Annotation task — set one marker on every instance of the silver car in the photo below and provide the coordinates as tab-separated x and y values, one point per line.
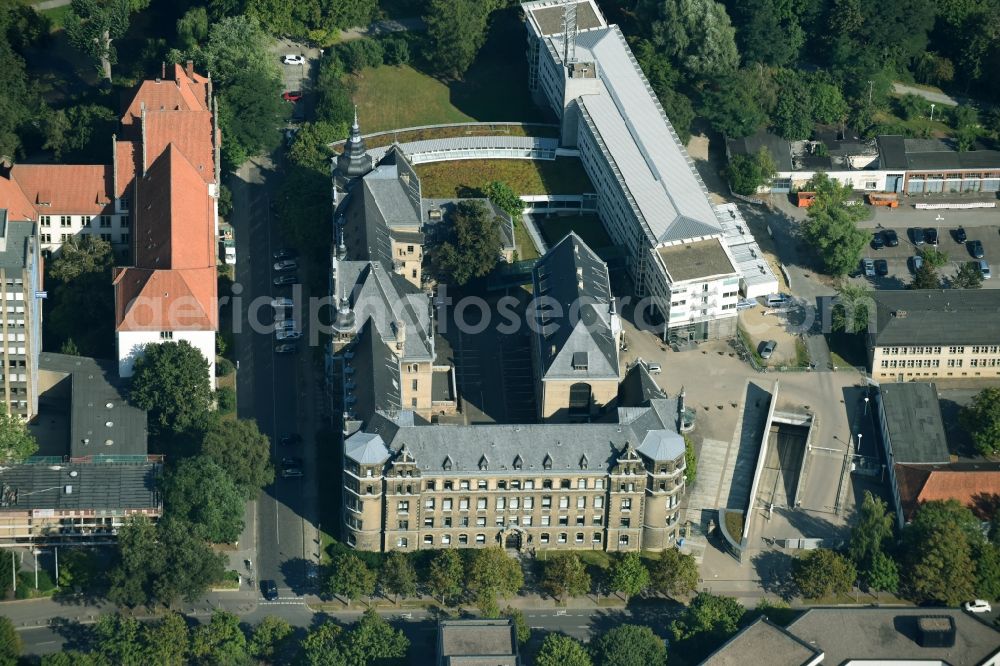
869	267
984	268
917	262
767	348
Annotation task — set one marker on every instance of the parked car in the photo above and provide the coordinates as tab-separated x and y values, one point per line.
284	280
960	235
281	302
294	59
984	268
917	235
269	589
931	236
288	335
916	261
877	241
868	266
654	368
978	606
891	237
286	265
284	253
284	325
746	303
777	300
291	95
881	267
767	348
976	249
291	461
291	473
286	348
290	438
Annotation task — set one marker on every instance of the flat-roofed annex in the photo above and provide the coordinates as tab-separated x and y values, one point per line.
550	18
695	260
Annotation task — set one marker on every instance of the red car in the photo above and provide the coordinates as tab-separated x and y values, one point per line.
292	96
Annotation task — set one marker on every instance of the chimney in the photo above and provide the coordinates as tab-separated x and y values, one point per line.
143	125
114	168
400	328
189	68
163	69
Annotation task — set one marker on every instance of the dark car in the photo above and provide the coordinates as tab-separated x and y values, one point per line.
284	280
931	236
877	242
284	253
976	249
269	589
881	267
286	348
917	235
960	236
290	462
891	237
292	95
290	438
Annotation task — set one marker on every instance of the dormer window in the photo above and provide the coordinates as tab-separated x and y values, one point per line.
518	462
448	463
580	360
547	462
484	464
584	462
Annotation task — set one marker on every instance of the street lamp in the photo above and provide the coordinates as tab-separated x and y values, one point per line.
866	405
859	443
932	111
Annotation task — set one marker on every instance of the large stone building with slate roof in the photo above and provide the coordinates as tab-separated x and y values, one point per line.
925	334
651	199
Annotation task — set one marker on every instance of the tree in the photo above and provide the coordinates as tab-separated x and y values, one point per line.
731	105
674	574
192	28
868	537
828	103
16	443
982	420
472	246
170	381
268	637
321	646
456	30
80	132
566	575
882	574
117	639
562	650
831	226
399	575
200	492
237	45
350	578
690	461
372	640
82	255
491	573
629	645
94	25
663	79
941	567
188	565
792	116
310	148
698	36
167	641
138	559
823	572
504	198
628	575
81	306
521	628
445	576
10	643
933	256
709	618
746	173
237	446
221	641
768	31
926	277
968	276
987	558
250	109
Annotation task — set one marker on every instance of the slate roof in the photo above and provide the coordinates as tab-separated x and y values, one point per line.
764	642
477	643
892	151
16	239
976	485
590	447
653	167
937	317
779	149
375	377
638	387
96	485
366	449
662	445
897	152
913	416
573	315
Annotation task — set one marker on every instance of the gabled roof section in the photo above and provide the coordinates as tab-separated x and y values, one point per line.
975	485
54	189
186	92
174	227
188	131
13	200
165	300
366	449
578	330
660	445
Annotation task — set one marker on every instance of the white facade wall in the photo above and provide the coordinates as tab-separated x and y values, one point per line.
54	230
861	181
131	344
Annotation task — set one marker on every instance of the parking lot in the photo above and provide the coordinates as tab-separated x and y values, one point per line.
297	77
900	262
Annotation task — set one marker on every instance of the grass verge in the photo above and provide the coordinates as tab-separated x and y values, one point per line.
525	246
468	178
802	359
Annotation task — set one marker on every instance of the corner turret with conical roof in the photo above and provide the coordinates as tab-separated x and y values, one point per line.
354	161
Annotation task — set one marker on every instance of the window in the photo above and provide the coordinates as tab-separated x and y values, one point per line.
401	542
546	521
403	524
547	484
463	521
65	220
499	520
562	537
581	502
45	220
106	237
581	483
63	237
105	221
481	484
514	503
166	335
463	539
515	485
428	522
529	484
626	522
481	504
429	504
526	521
445	539
580	521
449	485
124	223
546	501
480	539
623	540
564	502
403	507
564	520
544	537
46	238
599	483
627	504
414	384
463	504
446	504
529	503
501	503
599	502
428	539
463	485
86	221
596	538
598	520
579	537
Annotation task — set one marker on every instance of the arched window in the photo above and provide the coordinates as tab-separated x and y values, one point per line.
579	397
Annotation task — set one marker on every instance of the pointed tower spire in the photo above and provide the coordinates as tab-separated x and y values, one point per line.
354	161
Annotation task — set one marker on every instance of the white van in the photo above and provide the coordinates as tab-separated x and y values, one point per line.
654	368
776	300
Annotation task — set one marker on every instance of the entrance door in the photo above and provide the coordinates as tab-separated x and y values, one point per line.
513	540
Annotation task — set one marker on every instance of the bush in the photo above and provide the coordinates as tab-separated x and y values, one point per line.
224	367
396	51
226	399
360	53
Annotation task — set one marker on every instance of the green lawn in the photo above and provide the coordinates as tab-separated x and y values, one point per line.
525	248
467	178
58	16
587	227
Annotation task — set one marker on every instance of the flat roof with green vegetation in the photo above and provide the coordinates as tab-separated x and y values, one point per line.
468	178
587	227
381	106
700	259
453	131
